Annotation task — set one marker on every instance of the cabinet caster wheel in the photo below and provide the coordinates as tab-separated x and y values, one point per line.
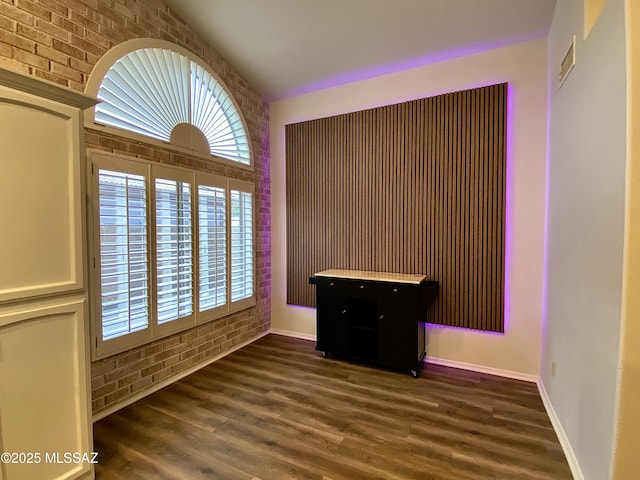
324	354
414	373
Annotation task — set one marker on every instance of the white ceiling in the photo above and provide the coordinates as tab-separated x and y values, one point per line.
287	47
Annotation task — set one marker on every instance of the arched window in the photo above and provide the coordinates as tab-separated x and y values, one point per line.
166	93
174	247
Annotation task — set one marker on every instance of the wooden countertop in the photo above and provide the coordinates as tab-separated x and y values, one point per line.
375	276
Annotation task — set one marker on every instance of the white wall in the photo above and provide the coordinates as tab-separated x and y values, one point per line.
586	230
524	67
626	458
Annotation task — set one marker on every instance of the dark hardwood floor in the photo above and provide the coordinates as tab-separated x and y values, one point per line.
277	410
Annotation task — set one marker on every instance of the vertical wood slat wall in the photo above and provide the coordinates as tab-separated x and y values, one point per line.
416	187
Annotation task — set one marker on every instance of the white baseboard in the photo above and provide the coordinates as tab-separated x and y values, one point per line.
576	471
287	333
157	386
482	369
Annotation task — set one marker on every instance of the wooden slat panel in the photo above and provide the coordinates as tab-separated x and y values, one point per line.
417	187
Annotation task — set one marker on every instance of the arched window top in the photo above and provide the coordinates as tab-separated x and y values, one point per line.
162	91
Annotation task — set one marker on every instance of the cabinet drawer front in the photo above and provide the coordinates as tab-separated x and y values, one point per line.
399	292
332	283
363	289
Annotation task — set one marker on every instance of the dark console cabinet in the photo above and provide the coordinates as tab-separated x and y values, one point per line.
373	317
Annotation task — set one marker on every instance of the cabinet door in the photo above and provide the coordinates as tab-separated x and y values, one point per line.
44	399
398	320
331	294
40	197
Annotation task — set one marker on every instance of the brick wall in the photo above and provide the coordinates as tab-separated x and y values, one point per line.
61	40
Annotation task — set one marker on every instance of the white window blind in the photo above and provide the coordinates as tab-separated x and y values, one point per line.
124	266
174	250
241	245
144	92
149	91
213	247
214	113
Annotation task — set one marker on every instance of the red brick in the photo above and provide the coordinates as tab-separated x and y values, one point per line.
52	54
30	59
140	364
140	150
129	379
142	383
126	358
116	374
84	21
67	25
76	5
151	369
80	65
50	77
112	143
97	382
14	12
188	354
171	342
149	27
166	353
91	58
98	39
104	390
205	346
34	34
91	4
7	23
180	367
66	72
118	395
53	30
114	17
161	375
197	359
54	7
135	28
17	41
102	366
135	6
34	8
124	11
171	361
97	405
86	45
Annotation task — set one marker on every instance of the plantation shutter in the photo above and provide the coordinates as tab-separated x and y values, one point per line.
241	243
124	265
174	250
212	246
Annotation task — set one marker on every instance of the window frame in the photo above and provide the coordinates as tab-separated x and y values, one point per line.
150	171
122	342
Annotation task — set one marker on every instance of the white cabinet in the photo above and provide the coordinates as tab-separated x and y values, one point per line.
44	360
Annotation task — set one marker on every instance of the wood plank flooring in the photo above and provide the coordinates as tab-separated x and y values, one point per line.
277	410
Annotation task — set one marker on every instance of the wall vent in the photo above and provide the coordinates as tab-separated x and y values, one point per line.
568	62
